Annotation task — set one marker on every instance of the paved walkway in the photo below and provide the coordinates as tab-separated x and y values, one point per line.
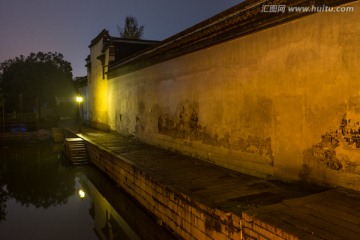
295	210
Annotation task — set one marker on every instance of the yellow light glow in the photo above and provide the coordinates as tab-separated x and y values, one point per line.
79	99
101	105
81	194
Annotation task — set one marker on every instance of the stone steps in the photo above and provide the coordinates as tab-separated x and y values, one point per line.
75	151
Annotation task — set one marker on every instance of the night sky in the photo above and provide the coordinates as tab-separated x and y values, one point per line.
68	26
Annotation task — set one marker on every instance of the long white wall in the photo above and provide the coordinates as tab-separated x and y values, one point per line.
283	102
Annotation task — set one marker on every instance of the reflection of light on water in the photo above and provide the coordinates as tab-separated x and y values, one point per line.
81	193
79	184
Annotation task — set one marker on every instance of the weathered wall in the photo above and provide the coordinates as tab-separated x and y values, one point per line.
283	102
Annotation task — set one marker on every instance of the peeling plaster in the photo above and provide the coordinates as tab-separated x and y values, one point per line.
338	150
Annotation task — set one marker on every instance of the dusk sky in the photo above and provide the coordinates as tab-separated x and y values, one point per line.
68	26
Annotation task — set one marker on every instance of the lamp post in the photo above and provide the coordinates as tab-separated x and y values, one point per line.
79	100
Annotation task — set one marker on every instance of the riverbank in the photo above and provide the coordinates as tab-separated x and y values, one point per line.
199	200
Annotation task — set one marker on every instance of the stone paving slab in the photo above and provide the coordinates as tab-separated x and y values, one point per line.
270	205
332	214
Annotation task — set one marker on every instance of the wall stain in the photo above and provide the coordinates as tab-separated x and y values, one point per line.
139	125
212	224
324	154
184	124
122	122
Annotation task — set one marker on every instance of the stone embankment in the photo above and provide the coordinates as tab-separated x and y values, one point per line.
199	200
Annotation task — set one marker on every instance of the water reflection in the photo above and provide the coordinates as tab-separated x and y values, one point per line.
109	224
42	196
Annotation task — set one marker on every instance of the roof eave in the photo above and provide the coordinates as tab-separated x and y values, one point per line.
240	20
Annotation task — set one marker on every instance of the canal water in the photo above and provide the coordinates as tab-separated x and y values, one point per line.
42	196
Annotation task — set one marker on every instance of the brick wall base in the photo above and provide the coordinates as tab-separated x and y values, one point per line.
187	218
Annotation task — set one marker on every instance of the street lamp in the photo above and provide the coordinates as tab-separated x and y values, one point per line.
82	194
79	100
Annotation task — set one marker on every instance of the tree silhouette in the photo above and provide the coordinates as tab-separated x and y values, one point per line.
35	177
39	75
131	29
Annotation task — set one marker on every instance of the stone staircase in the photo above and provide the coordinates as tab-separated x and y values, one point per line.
75	151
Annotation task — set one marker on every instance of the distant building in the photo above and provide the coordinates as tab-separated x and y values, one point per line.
104	51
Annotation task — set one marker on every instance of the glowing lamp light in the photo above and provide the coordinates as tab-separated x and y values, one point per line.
79	99
81	194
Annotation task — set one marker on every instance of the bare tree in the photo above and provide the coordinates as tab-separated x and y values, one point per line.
131	29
